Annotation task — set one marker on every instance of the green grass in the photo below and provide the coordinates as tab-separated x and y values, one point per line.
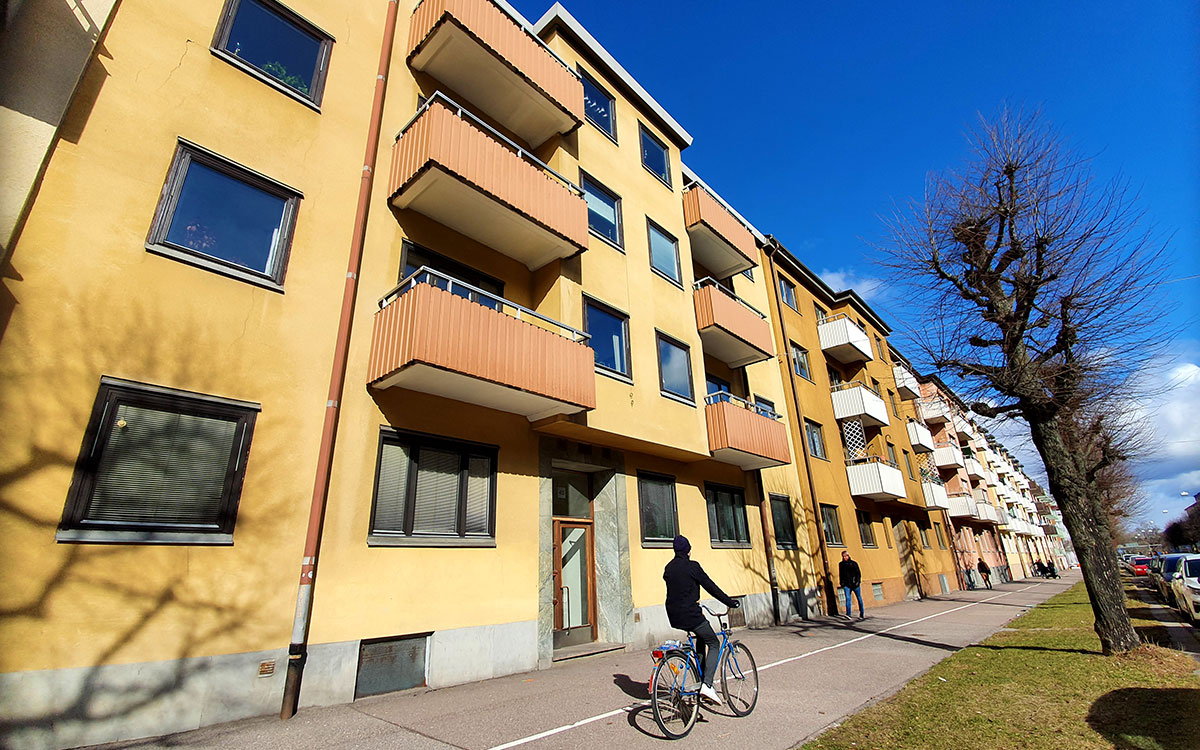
1043	684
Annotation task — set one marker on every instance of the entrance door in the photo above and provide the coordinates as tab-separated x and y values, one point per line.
904	548
574	559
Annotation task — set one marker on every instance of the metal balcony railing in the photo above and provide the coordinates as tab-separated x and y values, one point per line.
729	398
710	281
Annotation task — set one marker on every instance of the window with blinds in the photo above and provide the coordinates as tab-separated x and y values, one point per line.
726	515
433	487
656	501
158	459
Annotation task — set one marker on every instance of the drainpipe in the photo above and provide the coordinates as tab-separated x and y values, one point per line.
831	606
298	650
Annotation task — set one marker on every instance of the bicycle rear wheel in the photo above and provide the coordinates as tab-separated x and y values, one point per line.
739	679
674	695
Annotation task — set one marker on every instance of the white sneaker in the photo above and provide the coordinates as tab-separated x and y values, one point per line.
708	693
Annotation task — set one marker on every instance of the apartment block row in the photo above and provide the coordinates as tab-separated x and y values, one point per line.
389	344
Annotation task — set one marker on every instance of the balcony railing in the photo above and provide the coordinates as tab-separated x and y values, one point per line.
732	330
963	427
963	506
875	478
947	456
745	434
855	400
906	383
973	467
920	438
438	335
935	493
491	59
720	242
842	339
935	410
456	169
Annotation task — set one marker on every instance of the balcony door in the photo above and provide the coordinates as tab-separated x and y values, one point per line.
574	559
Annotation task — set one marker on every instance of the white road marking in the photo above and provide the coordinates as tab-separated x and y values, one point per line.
635	706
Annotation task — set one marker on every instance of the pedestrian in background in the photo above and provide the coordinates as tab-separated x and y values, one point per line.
850	578
985	571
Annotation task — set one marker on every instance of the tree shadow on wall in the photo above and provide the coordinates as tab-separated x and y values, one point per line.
1139	718
83	607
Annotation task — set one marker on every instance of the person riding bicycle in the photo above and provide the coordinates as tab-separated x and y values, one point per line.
684	577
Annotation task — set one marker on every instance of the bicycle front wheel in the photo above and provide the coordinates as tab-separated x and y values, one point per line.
674	695
739	679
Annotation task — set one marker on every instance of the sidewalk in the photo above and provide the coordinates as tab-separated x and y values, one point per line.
812	674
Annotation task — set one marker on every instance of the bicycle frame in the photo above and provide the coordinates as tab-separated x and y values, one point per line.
693	658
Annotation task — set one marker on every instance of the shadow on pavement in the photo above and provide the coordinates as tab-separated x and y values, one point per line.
1088	651
639	689
904	638
1133	717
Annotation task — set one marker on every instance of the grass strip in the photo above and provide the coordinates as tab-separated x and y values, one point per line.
1042	683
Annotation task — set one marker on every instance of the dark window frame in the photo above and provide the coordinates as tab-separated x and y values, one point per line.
820	433
787	291
644	132
667	479
320	74
868	539
941	538
793	543
762	405
659	336
612	104
406	536
837	539
610	310
585	180
797	349
908	465
187	152
715	538
924	533
651	227
75	527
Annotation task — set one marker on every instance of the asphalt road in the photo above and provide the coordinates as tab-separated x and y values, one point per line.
812	674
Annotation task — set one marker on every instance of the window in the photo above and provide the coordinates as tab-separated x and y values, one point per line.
224	217
908	464
816	440
879	348
159	465
800	361
887	532
895	409
765	407
749	273
835	377
924	529
866	532
273	43
820	312
833	529
656	499
604	211
714	385
726	515
787	290
674	368
664	252
875	386
429	489
785	525
598	106
609	336
655	156
937	528
416	257
891	451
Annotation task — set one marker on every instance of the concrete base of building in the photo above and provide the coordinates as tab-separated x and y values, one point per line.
64	708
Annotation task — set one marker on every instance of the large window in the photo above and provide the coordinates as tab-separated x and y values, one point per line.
831	526
785	525
159	465
598	106
800	361
432	490
609	331
924	529
267	40
224	217
656	498
674	368
664	252
941	538
866	532
908	464
815	438
604	211
726	515
787	291
655	156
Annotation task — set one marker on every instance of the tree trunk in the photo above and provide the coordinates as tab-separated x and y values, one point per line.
1088	524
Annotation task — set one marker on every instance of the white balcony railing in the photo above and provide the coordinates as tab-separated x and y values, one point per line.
948	456
963	506
875	478
856	401
906	383
935	494
920	437
842	339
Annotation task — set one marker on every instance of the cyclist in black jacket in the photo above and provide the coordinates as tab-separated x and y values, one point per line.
684	578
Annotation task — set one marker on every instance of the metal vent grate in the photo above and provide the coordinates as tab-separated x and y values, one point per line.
877	590
945	585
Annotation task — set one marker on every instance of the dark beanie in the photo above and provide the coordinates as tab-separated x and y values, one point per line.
681	544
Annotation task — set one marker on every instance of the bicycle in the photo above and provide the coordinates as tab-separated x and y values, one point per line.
675	698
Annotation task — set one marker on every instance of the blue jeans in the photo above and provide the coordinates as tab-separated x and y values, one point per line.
858	593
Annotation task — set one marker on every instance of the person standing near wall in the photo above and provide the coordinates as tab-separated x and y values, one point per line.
986	572
850	578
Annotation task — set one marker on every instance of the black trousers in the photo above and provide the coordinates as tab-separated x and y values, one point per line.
708	648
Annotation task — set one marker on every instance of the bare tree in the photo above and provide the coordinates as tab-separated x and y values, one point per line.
1039	296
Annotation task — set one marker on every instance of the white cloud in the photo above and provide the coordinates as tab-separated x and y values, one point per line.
1172	466
868	287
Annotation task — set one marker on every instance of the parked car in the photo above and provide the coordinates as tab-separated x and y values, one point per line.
1140	566
1162	573
1186	586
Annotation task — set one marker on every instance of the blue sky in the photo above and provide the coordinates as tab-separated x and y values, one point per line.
811	119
